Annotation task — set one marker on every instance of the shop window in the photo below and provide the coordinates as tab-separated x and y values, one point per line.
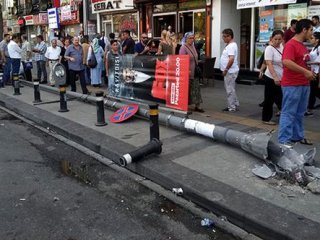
162	22
128	21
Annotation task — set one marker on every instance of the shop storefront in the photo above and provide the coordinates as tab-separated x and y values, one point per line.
116	16
176	16
70	20
264	18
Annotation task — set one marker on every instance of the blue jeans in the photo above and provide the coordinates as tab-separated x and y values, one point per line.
294	105
7	70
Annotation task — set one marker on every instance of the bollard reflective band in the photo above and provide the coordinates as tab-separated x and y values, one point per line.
62	89
128	158
36	83
153	112
99	99
15	78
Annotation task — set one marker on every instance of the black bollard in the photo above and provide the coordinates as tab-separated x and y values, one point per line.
154	146
1	79
63	99
154	121
16	84
36	91
101	121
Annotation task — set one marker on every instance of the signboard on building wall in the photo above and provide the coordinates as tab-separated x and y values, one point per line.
297	11
111	5
266	24
29	20
261	3
313	11
53	18
43	18
66	13
75	19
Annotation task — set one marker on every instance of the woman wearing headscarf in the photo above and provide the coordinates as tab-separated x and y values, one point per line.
96	72
194	86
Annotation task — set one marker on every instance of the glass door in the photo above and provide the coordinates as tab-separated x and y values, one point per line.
162	21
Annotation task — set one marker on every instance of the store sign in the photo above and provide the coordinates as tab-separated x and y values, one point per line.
313	11
261	3
43	18
74	18
66	13
266	25
111	5
29	20
53	18
297	11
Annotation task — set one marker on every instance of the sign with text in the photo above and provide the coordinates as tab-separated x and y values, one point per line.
29	20
111	5
313	11
162	79
266	24
53	18
66	13
261	3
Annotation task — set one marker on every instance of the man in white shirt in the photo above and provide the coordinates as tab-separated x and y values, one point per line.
26	57
230	69
52	54
104	38
15	53
316	23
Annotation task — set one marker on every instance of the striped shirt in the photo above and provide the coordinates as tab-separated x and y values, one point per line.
39	56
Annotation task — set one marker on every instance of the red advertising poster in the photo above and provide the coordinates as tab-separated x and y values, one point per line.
162	79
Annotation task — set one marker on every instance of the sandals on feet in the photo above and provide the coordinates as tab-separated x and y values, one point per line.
303	141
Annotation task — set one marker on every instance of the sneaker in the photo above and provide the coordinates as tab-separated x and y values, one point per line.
287	145
308	113
269	123
229	110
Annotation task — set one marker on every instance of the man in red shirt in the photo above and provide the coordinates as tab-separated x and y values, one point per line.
295	85
289	33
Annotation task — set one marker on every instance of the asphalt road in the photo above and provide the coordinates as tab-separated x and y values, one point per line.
49	190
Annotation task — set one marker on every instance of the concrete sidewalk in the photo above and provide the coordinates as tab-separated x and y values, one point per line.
213	175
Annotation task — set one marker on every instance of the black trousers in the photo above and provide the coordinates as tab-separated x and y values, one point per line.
27	72
314	93
273	94
83	84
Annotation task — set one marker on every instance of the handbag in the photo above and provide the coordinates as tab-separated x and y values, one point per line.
28	65
92	62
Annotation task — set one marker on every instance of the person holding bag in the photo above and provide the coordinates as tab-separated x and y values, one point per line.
272	77
95	52
194	86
